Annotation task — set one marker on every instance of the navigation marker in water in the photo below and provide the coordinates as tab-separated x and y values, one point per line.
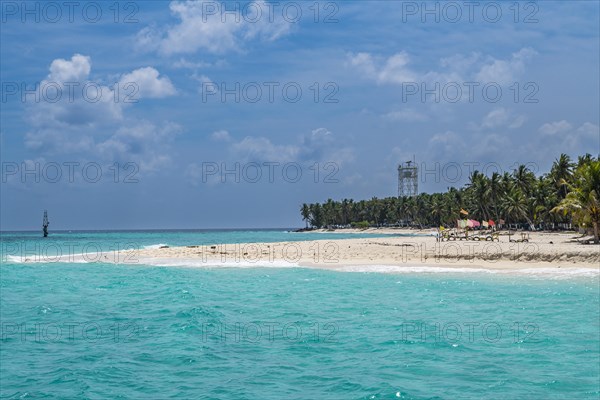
45	224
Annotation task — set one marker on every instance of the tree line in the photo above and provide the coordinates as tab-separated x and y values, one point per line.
568	194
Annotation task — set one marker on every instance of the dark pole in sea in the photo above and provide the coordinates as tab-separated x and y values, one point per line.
45	224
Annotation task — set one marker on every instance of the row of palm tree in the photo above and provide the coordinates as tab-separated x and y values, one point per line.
569	193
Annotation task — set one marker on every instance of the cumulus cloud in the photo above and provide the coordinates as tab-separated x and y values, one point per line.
405	115
500	118
221	136
589	130
67	97
444	147
495	118
396	69
148	83
563	137
92	117
554	138
392	70
204	25
441	145
505	72
555	128
143	142
205	83
76	69
459	63
260	25
195	65
261	148
319	145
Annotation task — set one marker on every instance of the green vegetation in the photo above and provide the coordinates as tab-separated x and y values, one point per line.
569	193
360	225
582	198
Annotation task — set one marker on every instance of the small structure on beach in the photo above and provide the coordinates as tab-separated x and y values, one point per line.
45	224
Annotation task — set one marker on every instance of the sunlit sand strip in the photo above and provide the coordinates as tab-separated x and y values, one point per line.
545	254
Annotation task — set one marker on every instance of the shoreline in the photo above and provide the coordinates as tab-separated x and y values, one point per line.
545	253
397	251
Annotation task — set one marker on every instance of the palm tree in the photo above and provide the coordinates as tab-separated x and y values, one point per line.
329	212
515	205
437	208
494	192
524	179
345	210
453	202
561	173
316	212
583	200
422	208
305	211
544	199
585	159
411	209
479	190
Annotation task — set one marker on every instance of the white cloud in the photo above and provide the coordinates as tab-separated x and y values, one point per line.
563	137
555	128
68	97
450	147
505	72
495	118
261	148
204	83
75	70
205	25
589	130
457	68
221	136
518	122
54	140
320	145
460	63
183	63
148	83
501	117
84	102
264	27
442	145
407	115
585	139
363	61
94	122
393	70
143	142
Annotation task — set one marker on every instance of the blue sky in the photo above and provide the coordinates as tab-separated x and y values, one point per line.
162	80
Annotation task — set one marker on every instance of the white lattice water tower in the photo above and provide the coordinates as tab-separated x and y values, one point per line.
408	179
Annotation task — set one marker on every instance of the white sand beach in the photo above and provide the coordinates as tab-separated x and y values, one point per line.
545	252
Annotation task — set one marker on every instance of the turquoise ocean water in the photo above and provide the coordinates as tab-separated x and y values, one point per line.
95	330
